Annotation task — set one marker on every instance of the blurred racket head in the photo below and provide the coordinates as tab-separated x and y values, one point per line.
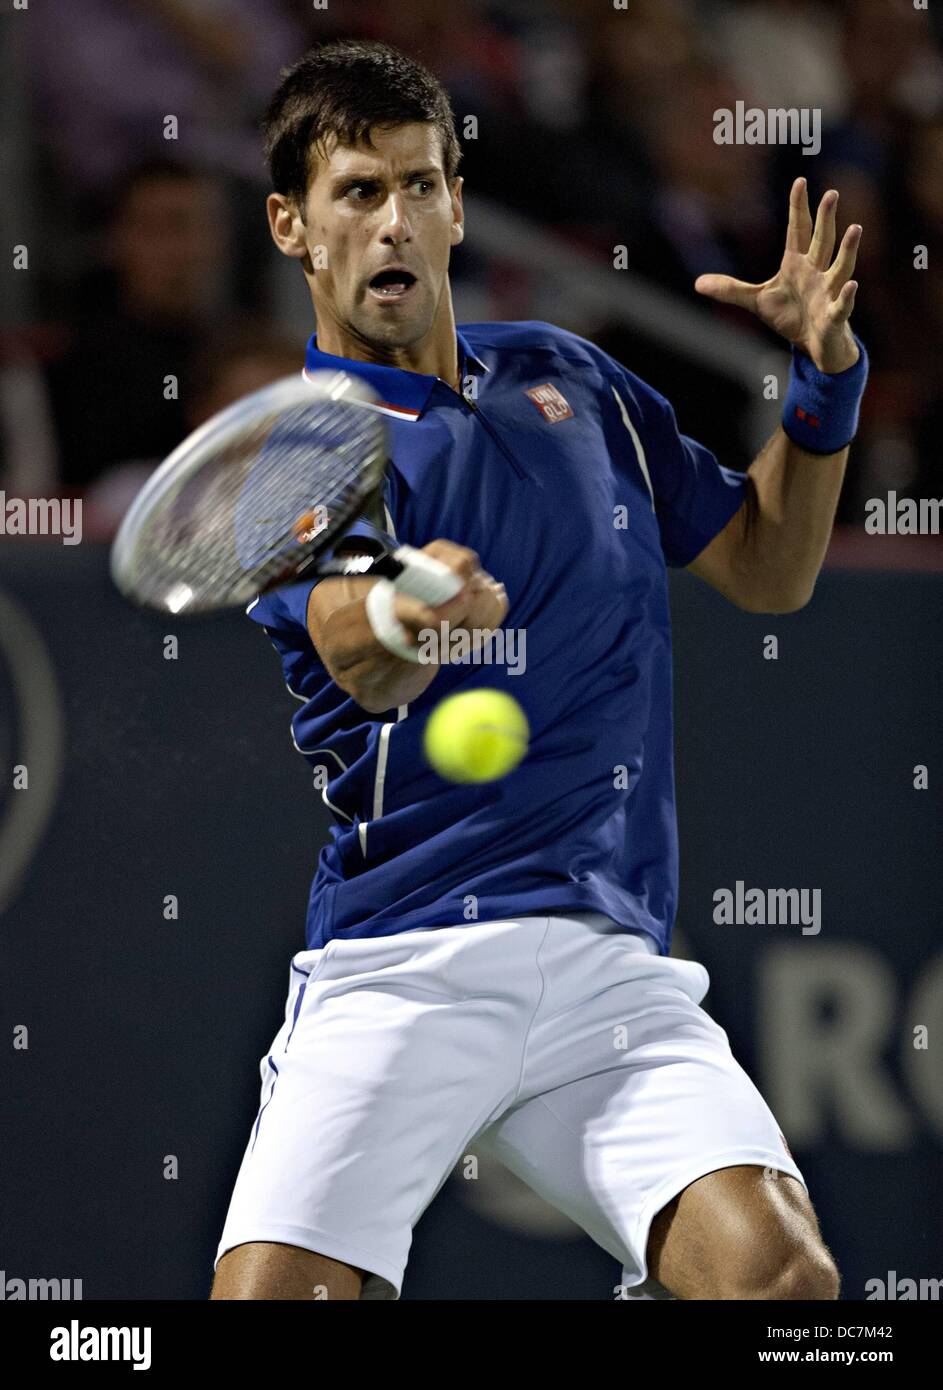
254	496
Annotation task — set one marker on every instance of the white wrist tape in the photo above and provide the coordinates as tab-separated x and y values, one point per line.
387	628
425	577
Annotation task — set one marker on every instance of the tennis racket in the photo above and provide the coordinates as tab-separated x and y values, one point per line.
255	497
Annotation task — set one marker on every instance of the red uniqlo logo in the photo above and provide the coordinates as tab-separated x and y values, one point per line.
786	1146
552	405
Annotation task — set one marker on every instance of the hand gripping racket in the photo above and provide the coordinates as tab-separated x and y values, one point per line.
255	497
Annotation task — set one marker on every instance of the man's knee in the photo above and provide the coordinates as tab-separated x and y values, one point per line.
805	1274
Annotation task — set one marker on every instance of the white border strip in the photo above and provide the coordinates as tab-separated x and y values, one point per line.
639	451
397	412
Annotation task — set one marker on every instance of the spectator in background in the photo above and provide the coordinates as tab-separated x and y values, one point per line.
783	53
237	358
118	385
924	176
702	207
892	64
880	156
457	40
873	70
107	74
240	357
906	418
709	209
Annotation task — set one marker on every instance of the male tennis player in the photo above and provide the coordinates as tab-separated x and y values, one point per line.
487	966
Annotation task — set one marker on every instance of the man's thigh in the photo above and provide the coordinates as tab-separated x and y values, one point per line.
614	1147
268	1270
744	1233
379	1076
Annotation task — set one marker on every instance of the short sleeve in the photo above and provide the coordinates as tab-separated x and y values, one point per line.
285	609
694	495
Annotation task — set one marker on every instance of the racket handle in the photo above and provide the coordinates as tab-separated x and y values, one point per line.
423	577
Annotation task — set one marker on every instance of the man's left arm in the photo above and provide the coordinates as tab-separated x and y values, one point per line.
768	556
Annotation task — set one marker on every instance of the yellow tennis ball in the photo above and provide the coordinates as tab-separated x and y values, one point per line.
476	736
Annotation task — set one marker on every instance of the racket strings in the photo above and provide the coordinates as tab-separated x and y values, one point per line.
286	485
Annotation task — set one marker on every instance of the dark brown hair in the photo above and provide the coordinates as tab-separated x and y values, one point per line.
344	89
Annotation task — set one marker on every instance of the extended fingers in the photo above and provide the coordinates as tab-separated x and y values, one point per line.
799	231
823	238
844	265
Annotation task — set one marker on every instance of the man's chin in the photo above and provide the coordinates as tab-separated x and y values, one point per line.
394	330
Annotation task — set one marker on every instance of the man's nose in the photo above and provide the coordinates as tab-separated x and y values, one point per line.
396	226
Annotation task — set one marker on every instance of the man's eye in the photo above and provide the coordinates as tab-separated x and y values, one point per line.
424	185
367	189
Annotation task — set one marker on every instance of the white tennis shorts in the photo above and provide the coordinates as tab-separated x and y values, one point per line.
563	1046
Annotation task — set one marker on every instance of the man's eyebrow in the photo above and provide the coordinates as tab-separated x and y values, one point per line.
352	176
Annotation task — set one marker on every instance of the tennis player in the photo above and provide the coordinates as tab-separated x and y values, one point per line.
486	967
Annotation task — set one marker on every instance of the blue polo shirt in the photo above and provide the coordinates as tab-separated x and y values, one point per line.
569	477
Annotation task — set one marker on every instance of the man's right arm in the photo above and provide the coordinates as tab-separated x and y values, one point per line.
356	661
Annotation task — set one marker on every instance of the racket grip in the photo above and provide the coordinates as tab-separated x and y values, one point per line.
424	577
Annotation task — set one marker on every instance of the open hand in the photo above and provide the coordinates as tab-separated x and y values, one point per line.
810	298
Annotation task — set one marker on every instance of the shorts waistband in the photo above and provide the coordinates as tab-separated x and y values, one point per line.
598	921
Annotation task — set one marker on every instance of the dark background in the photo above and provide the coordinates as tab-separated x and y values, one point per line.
145	1035
149	777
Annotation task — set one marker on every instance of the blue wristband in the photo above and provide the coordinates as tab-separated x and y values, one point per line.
820	412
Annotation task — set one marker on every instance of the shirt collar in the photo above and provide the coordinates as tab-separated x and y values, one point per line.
402	394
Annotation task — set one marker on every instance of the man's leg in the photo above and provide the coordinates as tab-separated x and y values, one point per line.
384	1068
738	1232
744	1233
264	1269
636	1121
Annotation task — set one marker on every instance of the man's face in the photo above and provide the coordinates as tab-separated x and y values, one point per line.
379	227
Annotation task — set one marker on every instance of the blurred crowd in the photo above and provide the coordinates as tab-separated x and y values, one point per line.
154	296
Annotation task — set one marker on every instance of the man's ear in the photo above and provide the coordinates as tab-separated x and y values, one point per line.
458	212
286	225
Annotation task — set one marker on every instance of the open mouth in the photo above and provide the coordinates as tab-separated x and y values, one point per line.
392	284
